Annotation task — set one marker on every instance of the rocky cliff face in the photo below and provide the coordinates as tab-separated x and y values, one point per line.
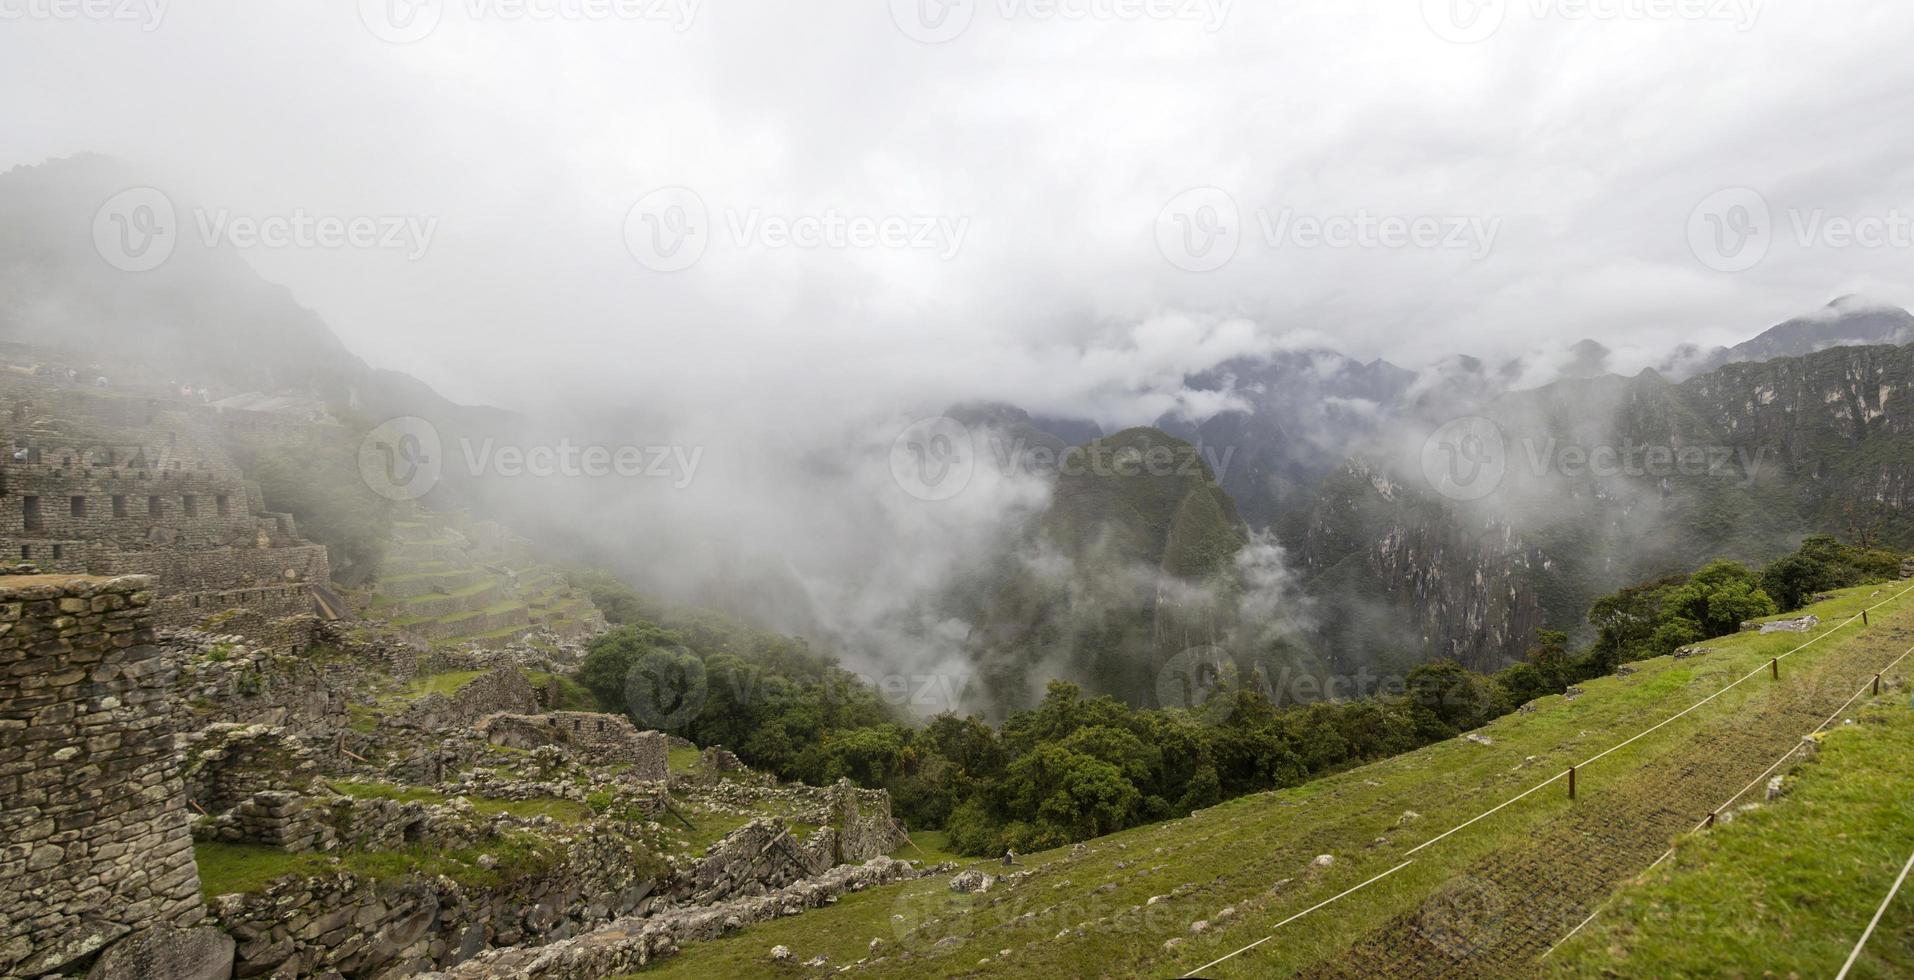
1603	482
1124	570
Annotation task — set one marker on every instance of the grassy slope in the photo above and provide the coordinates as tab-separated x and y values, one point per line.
1785	889
1089	915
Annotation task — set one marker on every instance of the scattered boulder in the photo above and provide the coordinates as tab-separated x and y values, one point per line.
1479	738
1801	625
780	954
972	882
1323	861
166	953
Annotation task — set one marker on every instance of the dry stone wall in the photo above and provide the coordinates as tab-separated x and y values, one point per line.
599	737
504	689
94	840
358	926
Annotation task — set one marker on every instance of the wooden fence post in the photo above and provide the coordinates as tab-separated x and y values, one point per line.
1774	667
1571	782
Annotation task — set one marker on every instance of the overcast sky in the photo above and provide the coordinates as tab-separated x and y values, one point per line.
1057	210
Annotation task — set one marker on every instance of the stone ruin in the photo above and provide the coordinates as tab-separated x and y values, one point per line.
603	738
503	689
92	484
92	816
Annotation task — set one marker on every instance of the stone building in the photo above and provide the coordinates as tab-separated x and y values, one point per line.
92	484
589	734
94	838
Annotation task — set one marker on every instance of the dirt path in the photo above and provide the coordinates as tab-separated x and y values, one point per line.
1502	913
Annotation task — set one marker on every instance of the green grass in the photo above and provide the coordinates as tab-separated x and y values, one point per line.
246	868
681	759
1253	854
1785	889
470	590
567	811
572	695
388	791
447	684
930	847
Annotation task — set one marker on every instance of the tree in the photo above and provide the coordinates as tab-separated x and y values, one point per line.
1719	598
1625	621
1455	697
867	756
1077	795
611	656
